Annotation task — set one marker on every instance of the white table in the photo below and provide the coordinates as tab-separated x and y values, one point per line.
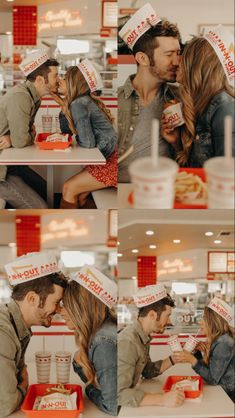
90	410
214	404
32	155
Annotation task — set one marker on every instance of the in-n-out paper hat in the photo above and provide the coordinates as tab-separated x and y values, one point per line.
98	284
222	309
222	41
33	61
92	77
149	294
138	24
31	267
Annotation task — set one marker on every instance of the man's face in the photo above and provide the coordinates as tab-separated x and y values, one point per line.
44	315
53	80
164	320
166	58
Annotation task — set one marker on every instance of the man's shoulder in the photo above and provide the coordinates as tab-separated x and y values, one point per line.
5	321
129	333
18	92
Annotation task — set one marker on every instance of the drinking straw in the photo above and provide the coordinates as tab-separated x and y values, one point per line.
63	343
199	329
43	343
155	142
228	127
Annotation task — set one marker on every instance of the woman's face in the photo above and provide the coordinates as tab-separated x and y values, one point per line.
62	89
64	313
179	72
203	325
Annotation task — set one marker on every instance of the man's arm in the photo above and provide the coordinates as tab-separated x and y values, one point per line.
11	396
18	114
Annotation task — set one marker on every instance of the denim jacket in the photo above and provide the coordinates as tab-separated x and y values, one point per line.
93	127
209	141
221	367
102	353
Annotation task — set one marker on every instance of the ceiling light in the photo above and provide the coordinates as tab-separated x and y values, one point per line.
149	232
120	255
135	250
209	234
10	1
118	243
133	277
152	247
12	244
217	241
176	241
8	33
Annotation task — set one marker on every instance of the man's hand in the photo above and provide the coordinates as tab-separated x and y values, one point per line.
62	102
184	357
173	398
171	134
25	379
5	142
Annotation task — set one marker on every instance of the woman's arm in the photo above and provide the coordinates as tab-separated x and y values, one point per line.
217	127
82	123
104	360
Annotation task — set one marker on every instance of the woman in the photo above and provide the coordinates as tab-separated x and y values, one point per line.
207	98
91	121
95	326
214	361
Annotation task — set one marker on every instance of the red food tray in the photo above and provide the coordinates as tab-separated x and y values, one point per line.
198	171
171	380
42	144
39	390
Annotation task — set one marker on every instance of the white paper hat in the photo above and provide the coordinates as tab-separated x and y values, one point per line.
92	77
222	309
98	284
149	294
31	267
222	41
33	61
138	24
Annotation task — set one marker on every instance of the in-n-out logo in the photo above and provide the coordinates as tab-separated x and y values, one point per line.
224	53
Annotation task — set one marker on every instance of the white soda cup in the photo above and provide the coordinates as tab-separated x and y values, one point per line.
47	123
220	180
43	366
57	124
174	343
174	114
190	343
63	362
154	186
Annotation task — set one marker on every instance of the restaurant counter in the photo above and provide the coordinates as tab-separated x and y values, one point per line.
90	410
215	403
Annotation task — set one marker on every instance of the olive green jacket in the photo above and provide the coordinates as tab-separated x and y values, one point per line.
18	108
14	339
133	362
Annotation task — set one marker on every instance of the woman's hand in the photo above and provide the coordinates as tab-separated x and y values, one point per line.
5	142
184	357
201	346
170	133
62	102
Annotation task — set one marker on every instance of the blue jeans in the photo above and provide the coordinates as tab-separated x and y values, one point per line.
22	189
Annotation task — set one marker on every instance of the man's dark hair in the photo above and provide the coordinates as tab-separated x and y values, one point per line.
148	41
43	286
43	70
158	307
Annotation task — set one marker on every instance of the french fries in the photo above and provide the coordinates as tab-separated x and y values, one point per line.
189	187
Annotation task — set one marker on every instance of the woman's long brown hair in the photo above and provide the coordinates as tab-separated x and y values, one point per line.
202	77
76	86
216	326
87	314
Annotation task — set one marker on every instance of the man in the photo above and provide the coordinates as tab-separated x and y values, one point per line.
155	307
156	49
18	108
37	291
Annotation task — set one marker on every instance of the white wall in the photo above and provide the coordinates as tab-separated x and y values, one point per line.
189	14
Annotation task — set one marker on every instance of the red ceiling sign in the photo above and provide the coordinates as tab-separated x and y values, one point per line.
146	270
28	234
25	25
